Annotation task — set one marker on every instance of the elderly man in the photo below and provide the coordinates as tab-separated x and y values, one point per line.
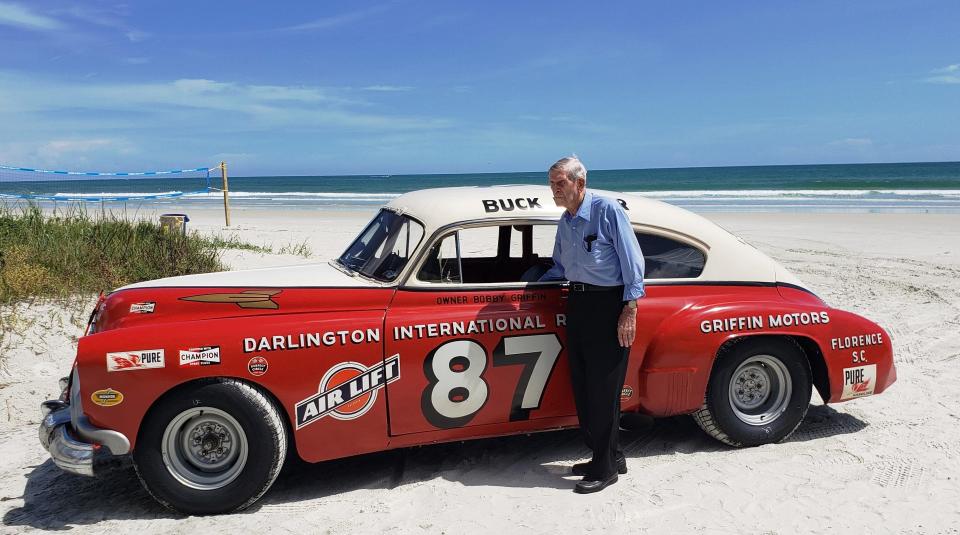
596	250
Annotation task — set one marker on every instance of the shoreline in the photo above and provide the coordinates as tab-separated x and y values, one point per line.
700	204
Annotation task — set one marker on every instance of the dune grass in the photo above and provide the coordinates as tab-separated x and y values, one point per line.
72	252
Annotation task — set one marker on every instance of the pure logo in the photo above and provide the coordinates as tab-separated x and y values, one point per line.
135	360
859	382
347	391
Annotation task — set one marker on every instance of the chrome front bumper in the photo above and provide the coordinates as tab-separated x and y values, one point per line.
75	445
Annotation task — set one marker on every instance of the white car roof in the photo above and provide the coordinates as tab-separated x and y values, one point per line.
729	259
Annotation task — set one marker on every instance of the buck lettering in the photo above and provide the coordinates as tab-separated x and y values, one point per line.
509	205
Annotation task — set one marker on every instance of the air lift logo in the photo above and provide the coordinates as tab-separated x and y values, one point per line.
347	391
859	381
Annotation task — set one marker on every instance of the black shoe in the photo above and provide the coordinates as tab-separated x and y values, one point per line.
580	469
594	485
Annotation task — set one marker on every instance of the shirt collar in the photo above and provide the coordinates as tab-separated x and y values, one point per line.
584	211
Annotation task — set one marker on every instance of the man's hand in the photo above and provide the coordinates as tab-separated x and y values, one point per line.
627	326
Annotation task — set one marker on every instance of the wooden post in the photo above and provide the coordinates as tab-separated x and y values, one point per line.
226	190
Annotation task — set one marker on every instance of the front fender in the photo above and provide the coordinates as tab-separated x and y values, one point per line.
284	354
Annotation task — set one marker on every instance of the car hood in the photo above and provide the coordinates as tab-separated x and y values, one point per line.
309	275
296	289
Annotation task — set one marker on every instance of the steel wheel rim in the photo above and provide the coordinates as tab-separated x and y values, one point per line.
760	390
204	448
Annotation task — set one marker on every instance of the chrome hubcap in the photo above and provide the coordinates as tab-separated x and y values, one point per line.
760	390
204	448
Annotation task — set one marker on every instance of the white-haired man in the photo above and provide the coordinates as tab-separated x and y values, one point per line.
596	250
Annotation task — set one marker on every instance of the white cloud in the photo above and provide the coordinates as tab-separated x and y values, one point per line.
33	101
113	17
58	147
852	142
336	21
388	88
945	75
135	36
21	17
945	79
73	154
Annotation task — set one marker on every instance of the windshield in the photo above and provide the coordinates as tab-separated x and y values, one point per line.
384	247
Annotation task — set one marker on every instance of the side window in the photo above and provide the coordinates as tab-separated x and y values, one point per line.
666	258
442	264
496	253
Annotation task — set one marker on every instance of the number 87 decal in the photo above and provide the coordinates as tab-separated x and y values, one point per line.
457	390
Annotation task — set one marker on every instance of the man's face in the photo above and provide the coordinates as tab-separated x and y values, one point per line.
566	193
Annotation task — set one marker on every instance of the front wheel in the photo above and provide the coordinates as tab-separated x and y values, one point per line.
758	393
214	448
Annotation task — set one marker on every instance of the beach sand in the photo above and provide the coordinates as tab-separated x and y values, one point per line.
888	463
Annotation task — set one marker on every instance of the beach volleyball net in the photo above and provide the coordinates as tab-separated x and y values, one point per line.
46	185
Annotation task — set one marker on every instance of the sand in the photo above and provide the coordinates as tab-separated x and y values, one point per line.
887	464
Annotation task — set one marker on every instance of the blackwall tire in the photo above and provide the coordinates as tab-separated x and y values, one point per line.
215	447
758	393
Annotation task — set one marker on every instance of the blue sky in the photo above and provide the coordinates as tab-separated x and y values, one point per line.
407	86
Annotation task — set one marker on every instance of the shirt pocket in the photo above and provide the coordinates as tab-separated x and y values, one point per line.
602	249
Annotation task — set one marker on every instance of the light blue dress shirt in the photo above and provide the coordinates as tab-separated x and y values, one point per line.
613	255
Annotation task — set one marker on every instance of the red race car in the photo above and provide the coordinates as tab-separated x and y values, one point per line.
432	327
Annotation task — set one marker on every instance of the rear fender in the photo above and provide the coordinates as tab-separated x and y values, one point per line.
677	362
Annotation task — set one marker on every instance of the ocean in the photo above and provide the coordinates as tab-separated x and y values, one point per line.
900	187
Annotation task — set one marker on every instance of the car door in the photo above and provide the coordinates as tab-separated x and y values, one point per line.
479	340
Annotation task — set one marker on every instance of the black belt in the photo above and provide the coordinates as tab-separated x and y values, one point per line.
584	287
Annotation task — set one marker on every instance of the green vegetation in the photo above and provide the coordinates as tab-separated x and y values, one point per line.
233	242
67	253
298	249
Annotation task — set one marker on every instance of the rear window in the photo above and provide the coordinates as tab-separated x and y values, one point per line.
667	258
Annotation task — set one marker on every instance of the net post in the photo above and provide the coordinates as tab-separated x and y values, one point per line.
226	190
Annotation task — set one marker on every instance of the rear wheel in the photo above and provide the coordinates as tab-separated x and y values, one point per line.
214	448
758	393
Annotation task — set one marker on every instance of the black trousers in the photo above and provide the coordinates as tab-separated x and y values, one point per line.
598	365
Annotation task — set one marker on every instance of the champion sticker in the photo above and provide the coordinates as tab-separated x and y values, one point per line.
107	397
200	356
134	360
142	308
258	366
859	382
347	391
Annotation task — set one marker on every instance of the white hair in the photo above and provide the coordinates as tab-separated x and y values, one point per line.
571	167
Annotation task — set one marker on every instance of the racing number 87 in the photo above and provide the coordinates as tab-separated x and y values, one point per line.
457	390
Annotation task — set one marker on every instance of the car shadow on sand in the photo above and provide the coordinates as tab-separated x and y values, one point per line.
57	500
536	460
